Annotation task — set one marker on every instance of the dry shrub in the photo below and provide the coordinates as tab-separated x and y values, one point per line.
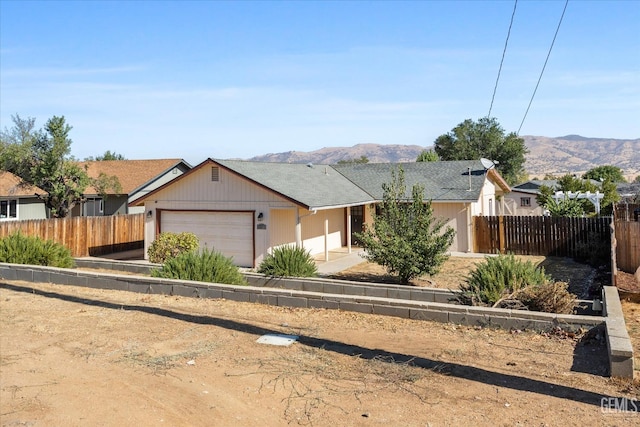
551	297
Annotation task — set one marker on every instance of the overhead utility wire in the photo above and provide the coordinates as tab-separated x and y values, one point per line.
543	67
504	51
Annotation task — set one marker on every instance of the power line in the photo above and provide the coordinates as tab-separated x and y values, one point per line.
504	51
543	67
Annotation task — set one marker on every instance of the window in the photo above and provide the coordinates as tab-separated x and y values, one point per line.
525	202
8	209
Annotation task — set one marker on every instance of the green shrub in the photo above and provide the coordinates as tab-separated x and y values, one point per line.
19	249
169	245
288	261
594	250
202	266
498	277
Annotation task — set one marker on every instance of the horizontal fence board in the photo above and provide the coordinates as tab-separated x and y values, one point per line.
85	236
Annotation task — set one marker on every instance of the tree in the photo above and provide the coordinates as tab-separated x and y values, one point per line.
361	160
605	173
428	156
42	158
485	138
108	155
405	236
565	207
571	183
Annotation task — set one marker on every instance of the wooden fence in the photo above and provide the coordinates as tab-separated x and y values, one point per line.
626	211
542	235
627	245
85	236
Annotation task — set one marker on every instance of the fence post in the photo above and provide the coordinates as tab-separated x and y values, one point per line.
501	234
614	244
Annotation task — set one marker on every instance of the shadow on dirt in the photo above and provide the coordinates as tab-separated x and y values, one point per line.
471	373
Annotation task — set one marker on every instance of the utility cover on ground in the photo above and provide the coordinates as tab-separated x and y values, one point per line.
277	339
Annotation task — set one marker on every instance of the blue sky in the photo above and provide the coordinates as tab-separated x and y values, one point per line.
160	79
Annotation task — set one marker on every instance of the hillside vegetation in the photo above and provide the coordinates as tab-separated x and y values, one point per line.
561	155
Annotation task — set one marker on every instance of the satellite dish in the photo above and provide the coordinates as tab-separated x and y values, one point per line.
488	164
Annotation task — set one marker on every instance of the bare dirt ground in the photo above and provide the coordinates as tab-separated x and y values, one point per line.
72	356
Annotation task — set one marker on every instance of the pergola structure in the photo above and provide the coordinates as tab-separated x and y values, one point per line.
592	197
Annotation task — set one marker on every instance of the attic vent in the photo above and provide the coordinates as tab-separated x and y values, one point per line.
215	174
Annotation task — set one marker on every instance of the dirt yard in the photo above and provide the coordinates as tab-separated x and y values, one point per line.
72	356
580	277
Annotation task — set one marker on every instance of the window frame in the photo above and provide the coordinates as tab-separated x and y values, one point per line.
6	206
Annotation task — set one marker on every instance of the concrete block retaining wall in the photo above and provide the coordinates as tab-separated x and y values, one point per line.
389	300
618	340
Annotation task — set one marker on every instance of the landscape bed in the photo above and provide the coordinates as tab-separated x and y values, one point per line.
391	300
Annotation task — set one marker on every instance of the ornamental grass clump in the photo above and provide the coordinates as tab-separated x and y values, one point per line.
19	249
499	278
201	266
288	261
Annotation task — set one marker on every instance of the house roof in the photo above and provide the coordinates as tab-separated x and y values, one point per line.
12	186
626	189
325	186
313	186
535	184
443	181
132	174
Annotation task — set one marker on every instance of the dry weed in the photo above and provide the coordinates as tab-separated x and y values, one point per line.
314	380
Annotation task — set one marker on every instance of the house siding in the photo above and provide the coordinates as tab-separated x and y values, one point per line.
512	202
116	205
30	208
282	224
160	181
457	216
313	230
488	199
234	193
312	226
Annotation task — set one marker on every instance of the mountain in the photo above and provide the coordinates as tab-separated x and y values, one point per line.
376	153
577	154
572	154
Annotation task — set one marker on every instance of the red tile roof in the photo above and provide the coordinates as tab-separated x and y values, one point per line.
11	185
132	174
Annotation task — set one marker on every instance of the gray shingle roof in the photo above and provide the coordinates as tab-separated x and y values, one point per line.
442	181
535	184
314	186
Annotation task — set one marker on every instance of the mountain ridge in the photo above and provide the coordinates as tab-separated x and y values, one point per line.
569	154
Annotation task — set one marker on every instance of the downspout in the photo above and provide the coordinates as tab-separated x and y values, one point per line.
469	229
349	229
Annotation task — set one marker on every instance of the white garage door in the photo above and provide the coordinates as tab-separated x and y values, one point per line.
228	232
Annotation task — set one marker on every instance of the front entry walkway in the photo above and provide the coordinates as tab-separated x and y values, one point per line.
339	260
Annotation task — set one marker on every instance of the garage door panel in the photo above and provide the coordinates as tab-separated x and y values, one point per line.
228	232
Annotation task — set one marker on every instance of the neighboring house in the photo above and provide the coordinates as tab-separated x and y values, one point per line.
20	201
136	177
629	192
245	209
521	201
